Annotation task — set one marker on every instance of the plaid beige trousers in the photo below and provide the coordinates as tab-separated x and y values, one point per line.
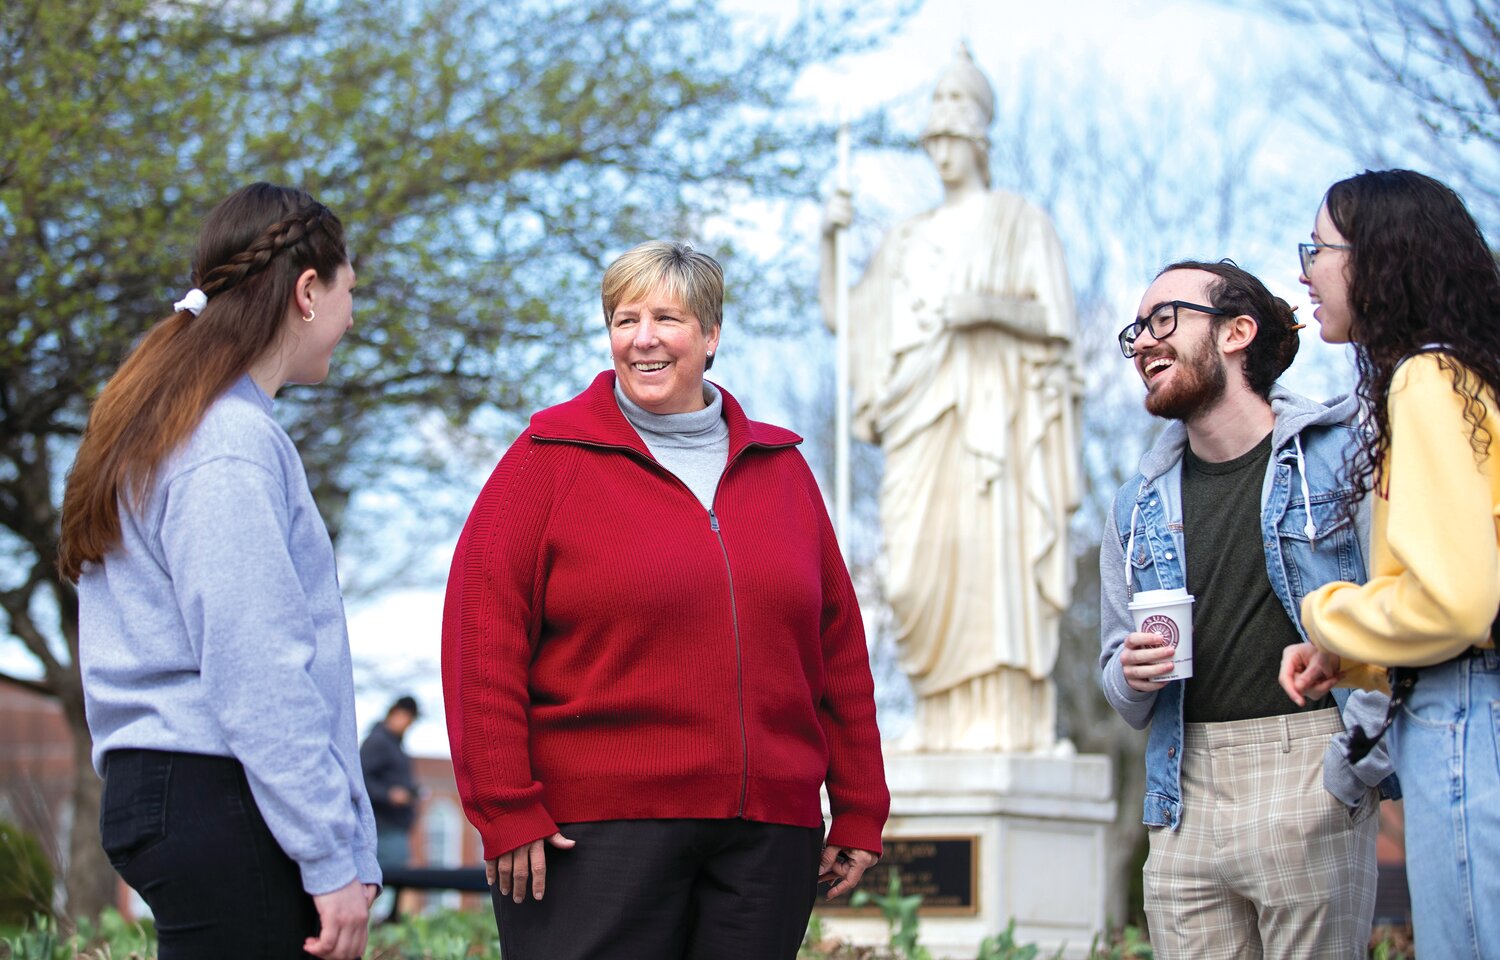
1265	863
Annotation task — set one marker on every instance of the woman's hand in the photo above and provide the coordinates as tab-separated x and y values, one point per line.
1307	671
344	923
511	869
1146	656
846	865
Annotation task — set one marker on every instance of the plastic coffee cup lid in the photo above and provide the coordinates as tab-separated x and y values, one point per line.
1160	602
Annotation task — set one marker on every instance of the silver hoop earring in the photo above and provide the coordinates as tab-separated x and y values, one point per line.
311	316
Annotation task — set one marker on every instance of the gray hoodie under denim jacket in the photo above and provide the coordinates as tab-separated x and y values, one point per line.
1308	543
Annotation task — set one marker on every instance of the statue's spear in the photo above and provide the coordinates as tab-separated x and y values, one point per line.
841	339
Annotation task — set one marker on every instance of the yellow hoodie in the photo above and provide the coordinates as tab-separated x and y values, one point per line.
1434	586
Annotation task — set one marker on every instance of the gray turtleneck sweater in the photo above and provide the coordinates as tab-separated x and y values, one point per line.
693	446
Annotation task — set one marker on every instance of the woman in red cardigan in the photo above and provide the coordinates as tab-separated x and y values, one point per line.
653	659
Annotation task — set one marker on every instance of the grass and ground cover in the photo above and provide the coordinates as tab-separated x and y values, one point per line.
460	935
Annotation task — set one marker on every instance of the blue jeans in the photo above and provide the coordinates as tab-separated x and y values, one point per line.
392	850
1445	745
392	847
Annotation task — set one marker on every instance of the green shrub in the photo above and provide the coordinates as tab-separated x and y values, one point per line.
1126	944
900	914
112	938
446	935
25	876
456	935
1005	947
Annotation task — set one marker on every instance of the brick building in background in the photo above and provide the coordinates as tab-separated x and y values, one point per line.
442	837
36	769
36	784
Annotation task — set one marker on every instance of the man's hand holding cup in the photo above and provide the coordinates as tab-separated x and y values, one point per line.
1145	658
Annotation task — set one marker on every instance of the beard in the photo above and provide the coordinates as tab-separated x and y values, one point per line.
1196	387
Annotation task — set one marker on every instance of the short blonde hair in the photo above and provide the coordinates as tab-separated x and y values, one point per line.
694	279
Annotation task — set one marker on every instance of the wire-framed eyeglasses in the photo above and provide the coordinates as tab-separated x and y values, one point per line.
1162	322
1307	251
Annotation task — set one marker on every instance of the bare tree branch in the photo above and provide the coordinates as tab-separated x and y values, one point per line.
34	686
1437	61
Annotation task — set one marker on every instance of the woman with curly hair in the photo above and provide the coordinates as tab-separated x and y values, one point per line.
1398	267
216	670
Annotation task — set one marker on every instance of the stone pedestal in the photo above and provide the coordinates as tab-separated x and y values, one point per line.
1040	824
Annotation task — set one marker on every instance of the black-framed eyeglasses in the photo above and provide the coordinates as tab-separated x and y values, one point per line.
1162	322
1307	251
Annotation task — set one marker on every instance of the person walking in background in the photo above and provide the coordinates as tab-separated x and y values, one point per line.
215	660
1399	268
653	659
1262	833
391	784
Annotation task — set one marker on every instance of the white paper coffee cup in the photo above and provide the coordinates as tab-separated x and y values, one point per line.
1168	614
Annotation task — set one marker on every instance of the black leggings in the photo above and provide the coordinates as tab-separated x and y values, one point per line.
184	831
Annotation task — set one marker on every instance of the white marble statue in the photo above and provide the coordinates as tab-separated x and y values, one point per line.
962	372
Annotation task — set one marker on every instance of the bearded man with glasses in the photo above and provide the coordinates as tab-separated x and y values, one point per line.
1262	832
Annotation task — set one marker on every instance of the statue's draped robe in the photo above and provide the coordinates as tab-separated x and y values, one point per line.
978	428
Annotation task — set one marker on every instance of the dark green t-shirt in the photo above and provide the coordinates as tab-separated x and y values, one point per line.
1239	627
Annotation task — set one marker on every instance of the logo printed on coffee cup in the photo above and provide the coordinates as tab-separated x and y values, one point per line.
1164	627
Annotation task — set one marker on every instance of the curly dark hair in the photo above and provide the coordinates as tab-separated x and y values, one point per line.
1419	274
1239	292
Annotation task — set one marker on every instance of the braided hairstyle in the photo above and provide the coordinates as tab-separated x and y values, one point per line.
1236	291
253	247
1419	272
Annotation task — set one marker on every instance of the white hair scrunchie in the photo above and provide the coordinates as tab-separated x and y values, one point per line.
193	302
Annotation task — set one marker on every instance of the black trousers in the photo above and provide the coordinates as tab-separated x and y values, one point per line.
668	889
184	831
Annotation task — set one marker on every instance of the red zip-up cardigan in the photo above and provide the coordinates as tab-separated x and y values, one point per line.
614	651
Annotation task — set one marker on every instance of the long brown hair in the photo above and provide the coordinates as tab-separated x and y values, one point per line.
251	250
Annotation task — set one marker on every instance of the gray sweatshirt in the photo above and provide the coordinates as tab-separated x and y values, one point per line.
217	627
693	446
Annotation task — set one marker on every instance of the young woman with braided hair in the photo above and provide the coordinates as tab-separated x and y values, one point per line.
215	659
1399	268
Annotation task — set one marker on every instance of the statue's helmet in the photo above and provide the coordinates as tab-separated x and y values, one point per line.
963	102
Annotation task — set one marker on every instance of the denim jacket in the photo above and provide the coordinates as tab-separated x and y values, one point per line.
1307	542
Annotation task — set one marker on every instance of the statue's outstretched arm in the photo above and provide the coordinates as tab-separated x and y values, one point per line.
1023	317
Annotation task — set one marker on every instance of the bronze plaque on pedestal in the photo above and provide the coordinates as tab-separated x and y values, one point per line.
943	870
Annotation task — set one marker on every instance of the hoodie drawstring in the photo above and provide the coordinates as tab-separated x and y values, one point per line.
1310	528
1135	513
